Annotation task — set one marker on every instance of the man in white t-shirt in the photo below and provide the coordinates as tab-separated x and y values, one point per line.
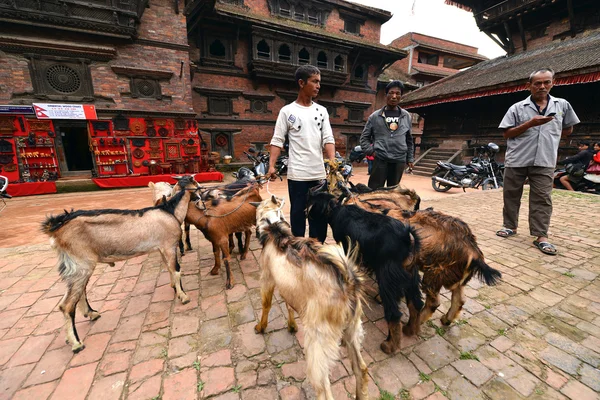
306	126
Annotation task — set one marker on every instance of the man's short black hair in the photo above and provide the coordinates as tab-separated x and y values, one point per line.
584	143
393	84
306	71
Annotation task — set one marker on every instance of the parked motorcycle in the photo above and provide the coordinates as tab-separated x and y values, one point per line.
483	171
260	161
3	194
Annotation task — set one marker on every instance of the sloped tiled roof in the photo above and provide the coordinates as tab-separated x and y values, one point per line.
568	58
432	70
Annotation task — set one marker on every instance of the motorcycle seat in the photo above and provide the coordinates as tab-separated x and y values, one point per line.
452	166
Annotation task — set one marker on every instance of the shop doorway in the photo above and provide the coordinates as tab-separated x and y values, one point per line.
73	149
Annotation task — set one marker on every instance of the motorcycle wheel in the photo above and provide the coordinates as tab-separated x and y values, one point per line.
488	186
440	187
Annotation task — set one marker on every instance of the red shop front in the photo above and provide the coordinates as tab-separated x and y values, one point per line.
124	151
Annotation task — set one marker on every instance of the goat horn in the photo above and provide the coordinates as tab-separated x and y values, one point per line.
255	203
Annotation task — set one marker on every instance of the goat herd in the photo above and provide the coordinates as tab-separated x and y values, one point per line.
381	232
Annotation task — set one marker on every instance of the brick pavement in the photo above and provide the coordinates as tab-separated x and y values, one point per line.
536	335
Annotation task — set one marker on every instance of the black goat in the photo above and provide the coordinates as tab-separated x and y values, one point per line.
386	249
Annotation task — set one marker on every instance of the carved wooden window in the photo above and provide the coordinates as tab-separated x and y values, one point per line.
359	75
303	56
145	88
352	26
322	59
222	142
219	106
258	106
299	13
263	50
355	115
216	49
284	53
284	8
339	64
313	16
59	78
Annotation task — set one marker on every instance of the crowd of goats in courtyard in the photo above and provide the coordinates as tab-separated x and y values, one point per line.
380	234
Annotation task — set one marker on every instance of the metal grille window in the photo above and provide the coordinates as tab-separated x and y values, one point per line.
284	8
313	16
299	13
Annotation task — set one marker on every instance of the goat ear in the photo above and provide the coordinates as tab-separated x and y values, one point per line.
274	199
255	203
151	185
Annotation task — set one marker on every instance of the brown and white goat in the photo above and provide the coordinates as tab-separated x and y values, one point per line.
448	257
85	238
323	285
217	221
161	191
394	197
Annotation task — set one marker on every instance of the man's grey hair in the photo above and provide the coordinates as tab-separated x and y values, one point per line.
540	71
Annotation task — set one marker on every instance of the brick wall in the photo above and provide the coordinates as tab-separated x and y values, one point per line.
555	28
163	48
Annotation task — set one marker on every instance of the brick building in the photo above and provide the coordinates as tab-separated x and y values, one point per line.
244	55
127	58
465	109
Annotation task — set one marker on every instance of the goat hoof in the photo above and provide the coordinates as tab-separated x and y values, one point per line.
407	330
94	315
111	264
214	271
185	300
445	321
242	257
387	347
259	329
228	286
77	347
292	328
189	248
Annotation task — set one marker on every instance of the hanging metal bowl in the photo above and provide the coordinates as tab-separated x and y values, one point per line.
151	132
138	153
164	132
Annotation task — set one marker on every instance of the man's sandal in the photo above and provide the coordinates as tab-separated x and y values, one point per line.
505	232
546	248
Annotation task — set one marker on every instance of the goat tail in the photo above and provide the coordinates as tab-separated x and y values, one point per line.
51	224
415	244
484	272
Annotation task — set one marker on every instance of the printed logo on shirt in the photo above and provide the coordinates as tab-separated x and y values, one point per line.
392	122
292	118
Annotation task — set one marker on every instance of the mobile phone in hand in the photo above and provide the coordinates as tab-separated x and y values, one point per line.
551	114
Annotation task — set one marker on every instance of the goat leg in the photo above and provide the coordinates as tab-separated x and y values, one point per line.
86	309
170	256
352	338
181	249
68	306
266	294
246	247
394	339
456	305
432	302
216	253
232	243
188	243
292	327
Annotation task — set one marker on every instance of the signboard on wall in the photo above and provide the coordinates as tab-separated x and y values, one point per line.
65	111
10	109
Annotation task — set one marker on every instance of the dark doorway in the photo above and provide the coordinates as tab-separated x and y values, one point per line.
75	145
